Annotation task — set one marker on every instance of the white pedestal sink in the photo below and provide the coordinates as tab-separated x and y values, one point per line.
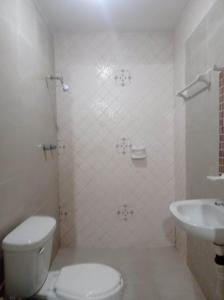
203	218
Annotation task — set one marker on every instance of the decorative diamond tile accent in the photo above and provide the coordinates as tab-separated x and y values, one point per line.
123	77
94	179
124	212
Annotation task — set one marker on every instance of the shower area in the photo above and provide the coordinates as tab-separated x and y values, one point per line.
120	103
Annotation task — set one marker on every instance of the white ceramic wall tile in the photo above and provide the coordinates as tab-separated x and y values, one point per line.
95	179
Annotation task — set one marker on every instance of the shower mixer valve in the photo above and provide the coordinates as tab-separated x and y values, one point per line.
49	147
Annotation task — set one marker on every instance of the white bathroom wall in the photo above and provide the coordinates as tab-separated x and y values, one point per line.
190	19
202	48
99	184
28	179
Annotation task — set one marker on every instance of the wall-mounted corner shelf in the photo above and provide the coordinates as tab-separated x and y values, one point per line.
216	178
201	83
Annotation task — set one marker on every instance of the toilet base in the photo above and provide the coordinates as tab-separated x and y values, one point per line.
47	291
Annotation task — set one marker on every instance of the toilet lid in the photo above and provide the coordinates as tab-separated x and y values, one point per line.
87	281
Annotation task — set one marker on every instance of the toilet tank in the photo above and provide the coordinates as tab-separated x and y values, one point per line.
27	255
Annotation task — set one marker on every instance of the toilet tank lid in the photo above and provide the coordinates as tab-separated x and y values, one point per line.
30	234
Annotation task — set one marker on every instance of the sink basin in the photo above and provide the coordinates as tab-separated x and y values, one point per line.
203	218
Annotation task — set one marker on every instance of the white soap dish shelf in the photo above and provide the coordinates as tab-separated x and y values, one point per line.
138	152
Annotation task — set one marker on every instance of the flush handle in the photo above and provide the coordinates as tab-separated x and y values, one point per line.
41	251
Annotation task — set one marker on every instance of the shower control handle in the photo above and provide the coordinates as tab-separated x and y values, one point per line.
49	147
53	147
41	251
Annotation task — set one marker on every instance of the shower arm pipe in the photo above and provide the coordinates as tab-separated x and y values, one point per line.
60	78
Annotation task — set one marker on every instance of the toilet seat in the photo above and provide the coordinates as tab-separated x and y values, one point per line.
88	281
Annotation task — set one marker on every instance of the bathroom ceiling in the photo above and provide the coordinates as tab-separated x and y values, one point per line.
118	15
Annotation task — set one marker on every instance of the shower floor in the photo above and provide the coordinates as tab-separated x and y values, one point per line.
149	274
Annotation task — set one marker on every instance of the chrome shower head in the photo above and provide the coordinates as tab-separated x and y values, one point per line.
65	87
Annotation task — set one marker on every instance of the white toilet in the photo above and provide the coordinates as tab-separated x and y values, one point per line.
27	254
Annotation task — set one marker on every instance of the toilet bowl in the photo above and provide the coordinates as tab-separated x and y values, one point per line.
81	282
28	249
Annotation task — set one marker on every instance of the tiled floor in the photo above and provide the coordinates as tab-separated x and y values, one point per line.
149	274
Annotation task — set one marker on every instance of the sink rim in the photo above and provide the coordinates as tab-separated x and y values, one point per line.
182	219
